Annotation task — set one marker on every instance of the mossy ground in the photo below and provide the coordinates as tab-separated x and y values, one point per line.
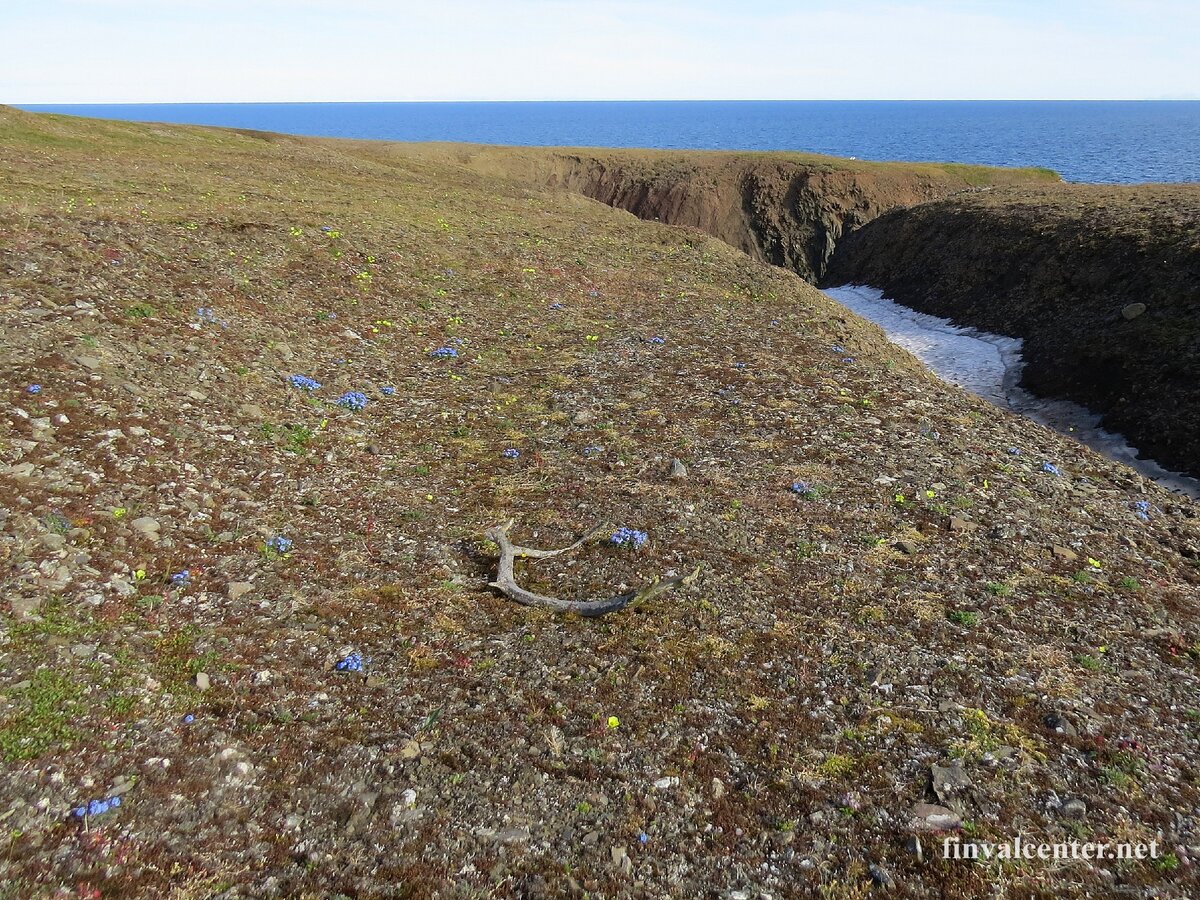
160	284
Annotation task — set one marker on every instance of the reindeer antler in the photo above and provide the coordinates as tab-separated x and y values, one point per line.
506	582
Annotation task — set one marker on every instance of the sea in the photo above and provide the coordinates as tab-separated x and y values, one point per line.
1091	141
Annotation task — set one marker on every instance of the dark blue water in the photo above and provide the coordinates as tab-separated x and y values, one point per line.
1109	141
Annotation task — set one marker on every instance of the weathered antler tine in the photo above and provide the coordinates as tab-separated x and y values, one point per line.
507	584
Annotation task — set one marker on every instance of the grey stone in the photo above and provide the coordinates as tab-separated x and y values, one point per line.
1074	809
1132	311
512	835
620	859
881	876
929	817
1059	724
237	589
949	781
203	682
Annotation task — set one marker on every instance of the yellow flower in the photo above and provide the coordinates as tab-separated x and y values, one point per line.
119	511
1094	563
613	721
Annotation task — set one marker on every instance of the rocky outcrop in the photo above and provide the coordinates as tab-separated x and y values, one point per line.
1101	282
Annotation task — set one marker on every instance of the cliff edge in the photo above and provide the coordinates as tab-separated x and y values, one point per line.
1102	283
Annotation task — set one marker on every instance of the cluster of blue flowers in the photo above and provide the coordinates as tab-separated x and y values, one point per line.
1141	509
592	451
444	353
325	229
658	340
280	544
34	389
304	383
1051	469
97	807
352	663
629	537
804	489
838	348
511	453
388	391
355	400
181	579
557	306
1014	451
739	365
847	359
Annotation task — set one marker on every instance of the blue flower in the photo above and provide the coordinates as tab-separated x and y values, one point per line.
180	579
388	391
355	400
557	306
847	359
643	838
629	537
189	719
511	453
657	340
592	451
280	544
739	365
804	489
304	383
1141	509
1014	451
352	663
1051	469
34	389
444	353
97	807
837	348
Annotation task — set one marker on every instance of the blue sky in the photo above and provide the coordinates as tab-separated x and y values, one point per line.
80	51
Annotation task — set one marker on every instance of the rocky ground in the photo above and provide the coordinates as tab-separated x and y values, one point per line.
260	619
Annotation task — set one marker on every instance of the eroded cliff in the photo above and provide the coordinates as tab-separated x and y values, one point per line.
1102	283
787	209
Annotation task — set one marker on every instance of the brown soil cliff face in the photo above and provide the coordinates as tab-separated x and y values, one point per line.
1057	266
786	209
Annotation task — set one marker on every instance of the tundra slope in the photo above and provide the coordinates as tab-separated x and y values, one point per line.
772	728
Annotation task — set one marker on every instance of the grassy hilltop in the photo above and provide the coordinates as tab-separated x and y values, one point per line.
914	612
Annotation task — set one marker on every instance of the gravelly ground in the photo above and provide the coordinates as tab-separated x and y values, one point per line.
771	729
